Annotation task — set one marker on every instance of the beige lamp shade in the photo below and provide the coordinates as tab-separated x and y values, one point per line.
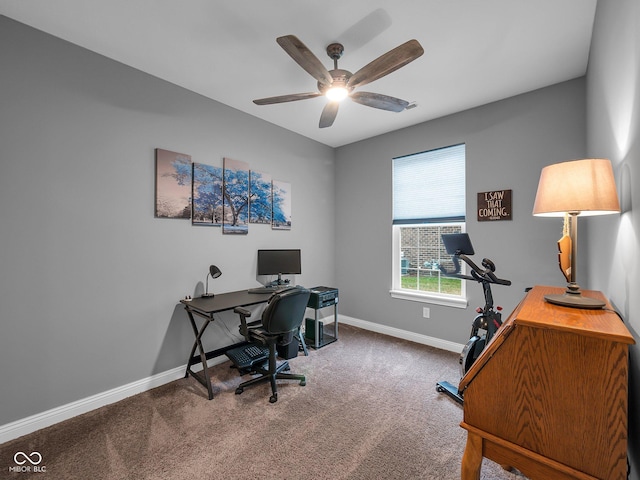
583	187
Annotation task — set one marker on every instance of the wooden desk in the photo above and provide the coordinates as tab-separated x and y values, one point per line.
548	395
206	307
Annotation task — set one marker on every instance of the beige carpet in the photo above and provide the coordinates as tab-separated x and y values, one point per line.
369	410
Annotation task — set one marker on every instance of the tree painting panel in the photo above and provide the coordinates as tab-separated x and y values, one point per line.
235	218
281	193
207	195
260	197
173	184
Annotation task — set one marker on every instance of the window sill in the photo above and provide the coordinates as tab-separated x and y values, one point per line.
456	302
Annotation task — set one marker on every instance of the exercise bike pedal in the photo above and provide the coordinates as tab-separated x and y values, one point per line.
450	390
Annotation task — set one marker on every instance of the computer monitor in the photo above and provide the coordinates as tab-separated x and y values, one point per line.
279	262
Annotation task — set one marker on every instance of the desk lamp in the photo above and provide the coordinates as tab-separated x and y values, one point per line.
214	272
572	189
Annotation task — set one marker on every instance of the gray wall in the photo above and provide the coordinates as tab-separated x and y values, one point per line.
89	279
613	99
507	144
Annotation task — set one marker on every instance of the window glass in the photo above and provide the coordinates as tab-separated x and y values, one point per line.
421	256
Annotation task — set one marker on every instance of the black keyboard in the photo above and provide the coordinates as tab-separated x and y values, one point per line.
248	356
276	289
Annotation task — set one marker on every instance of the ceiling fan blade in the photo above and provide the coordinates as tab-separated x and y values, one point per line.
377	100
329	113
305	58
286	98
387	63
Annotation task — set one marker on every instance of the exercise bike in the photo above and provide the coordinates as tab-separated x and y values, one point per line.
489	319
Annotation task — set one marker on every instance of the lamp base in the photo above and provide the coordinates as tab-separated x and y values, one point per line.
207	295
575	300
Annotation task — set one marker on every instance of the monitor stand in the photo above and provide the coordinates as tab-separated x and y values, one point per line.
278	282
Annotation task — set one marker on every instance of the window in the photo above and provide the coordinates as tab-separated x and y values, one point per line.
428	200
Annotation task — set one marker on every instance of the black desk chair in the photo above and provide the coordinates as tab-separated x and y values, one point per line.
281	321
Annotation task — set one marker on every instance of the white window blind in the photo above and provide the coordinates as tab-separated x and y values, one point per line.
429	187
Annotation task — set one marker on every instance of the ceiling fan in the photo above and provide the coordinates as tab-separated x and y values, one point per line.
338	84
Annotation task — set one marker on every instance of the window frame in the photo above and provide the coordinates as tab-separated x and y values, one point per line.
405	213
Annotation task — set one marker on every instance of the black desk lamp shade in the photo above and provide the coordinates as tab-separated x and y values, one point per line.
214	272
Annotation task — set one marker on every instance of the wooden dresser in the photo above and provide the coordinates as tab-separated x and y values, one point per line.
548	395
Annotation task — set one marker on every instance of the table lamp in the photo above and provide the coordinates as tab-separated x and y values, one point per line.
572	189
214	272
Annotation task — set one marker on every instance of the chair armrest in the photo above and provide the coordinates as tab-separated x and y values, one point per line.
242	311
257	335
244	314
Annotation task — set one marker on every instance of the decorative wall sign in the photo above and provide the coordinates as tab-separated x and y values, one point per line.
281	205
173	184
260	203
235	207
207	195
494	205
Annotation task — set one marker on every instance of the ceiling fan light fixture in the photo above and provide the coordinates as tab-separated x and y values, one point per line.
337	94
338	84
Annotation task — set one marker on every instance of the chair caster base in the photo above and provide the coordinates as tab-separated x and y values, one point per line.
239	390
273	398
303	382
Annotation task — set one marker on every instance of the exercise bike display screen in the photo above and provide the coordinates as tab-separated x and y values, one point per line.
457	243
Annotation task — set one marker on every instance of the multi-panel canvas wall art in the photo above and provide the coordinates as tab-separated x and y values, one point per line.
260	197
231	196
235	206
207	195
173	184
281	193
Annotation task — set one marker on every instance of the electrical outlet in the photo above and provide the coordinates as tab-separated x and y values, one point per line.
426	312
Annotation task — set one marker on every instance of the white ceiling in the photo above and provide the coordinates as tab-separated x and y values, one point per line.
476	52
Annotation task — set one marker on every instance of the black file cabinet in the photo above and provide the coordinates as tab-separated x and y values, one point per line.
315	332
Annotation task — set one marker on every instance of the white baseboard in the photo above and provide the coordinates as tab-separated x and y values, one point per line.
404	334
36	422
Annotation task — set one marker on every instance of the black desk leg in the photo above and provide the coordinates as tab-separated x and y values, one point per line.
205	380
